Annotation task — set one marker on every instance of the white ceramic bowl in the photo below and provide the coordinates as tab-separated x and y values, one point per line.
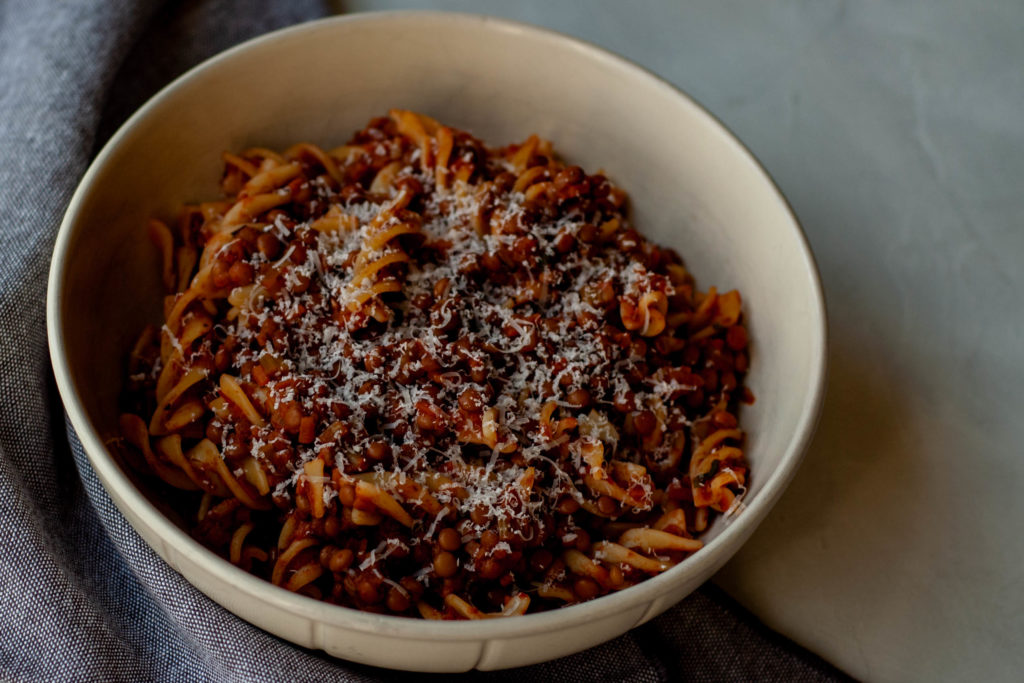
693	186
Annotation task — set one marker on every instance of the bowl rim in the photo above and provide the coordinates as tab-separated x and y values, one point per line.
716	552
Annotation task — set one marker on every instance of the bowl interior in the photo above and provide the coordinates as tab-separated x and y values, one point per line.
692	187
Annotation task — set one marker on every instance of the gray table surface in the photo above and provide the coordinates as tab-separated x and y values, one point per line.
896	129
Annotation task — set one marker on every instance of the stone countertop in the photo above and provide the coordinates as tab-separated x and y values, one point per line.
896	130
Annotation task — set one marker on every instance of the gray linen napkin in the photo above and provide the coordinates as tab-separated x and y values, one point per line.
82	597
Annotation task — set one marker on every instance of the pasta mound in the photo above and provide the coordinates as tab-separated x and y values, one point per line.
422	376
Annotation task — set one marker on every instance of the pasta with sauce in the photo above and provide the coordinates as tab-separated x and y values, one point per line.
422	376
